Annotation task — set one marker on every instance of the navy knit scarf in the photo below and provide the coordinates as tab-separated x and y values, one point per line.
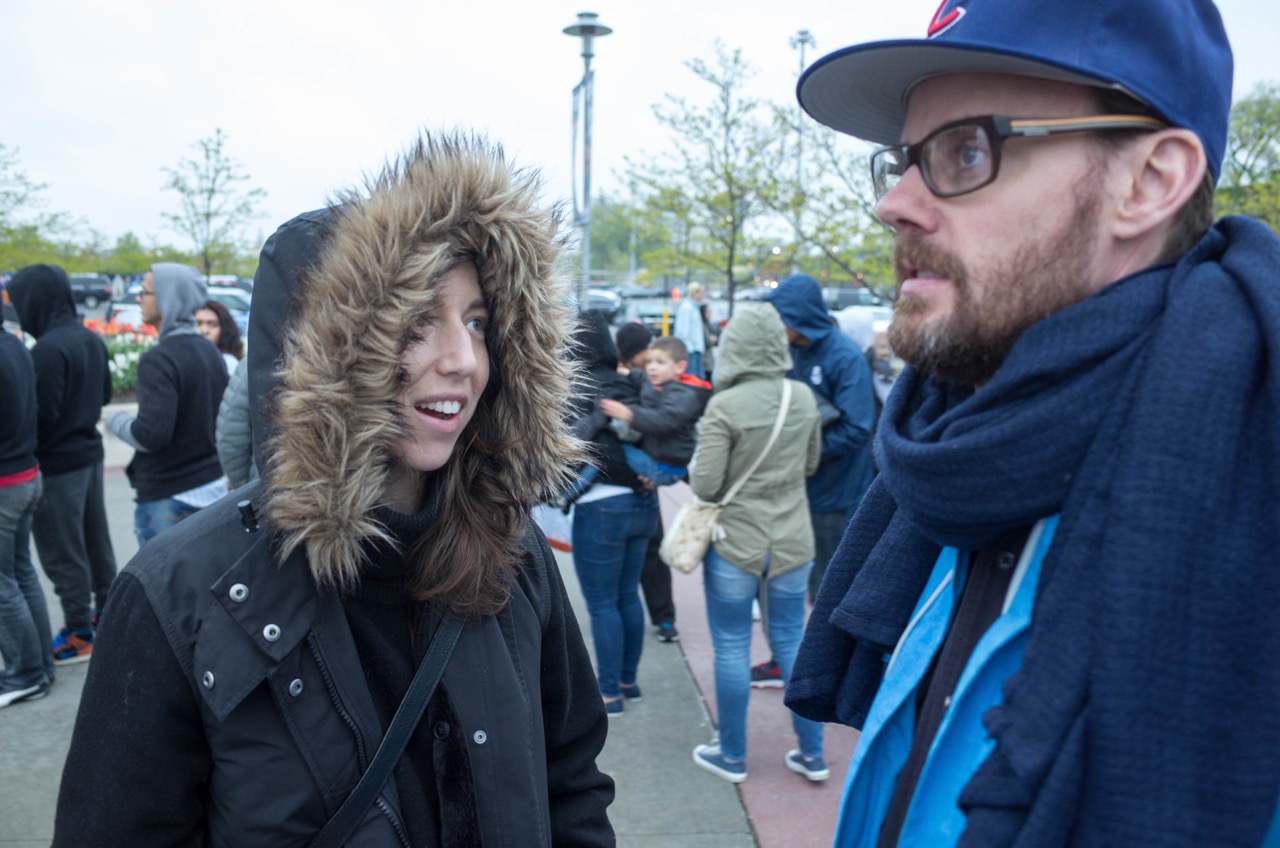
1147	710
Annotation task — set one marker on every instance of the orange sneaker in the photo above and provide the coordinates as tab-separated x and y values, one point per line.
72	646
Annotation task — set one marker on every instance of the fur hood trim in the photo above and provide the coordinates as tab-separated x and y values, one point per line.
334	416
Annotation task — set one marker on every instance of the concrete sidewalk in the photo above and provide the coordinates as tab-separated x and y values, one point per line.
662	798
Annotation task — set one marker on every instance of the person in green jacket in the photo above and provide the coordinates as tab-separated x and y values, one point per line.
764	543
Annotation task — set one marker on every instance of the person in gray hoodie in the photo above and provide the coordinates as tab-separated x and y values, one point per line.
175	470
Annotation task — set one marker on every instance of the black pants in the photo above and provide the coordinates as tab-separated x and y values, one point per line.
828	530
74	544
655	582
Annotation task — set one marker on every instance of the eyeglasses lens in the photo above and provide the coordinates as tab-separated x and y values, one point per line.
887	167
958	160
954	161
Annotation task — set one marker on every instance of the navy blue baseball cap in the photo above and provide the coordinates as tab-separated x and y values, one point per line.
1172	55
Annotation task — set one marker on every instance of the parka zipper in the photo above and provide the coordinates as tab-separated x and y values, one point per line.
361	760
337	702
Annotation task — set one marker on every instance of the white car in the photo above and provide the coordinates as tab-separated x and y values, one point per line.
861	323
237	302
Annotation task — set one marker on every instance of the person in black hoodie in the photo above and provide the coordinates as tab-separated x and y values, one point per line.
24	619
73	381
180	384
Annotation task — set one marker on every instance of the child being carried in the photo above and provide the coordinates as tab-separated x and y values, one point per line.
659	432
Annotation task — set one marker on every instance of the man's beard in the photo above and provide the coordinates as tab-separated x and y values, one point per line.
1037	280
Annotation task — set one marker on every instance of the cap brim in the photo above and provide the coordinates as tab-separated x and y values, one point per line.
862	90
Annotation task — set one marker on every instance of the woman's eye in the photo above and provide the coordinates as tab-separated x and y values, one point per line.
478	325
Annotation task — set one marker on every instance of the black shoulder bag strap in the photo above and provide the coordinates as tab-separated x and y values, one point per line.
339	828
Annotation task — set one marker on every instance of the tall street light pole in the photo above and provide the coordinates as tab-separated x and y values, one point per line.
588	28
800	41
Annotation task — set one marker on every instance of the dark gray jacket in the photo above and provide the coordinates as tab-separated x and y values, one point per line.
290	719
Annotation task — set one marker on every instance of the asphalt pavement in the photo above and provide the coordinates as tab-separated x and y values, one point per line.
662	798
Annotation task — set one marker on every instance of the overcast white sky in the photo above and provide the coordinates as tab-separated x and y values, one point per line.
98	95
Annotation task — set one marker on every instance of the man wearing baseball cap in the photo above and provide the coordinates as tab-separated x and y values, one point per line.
1056	617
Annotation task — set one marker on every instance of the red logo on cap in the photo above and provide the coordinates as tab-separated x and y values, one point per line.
941	23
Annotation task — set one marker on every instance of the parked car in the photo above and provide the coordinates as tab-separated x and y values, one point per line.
861	323
630	290
237	302
746	293
125	314
841	298
230	281
90	289
599	300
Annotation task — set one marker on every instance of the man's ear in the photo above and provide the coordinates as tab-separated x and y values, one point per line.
1161	171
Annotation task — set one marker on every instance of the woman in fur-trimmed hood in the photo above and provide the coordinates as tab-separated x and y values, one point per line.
408	386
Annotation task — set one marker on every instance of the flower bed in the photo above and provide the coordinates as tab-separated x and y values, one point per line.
125	346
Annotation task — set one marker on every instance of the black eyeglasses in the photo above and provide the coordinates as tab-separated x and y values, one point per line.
964	156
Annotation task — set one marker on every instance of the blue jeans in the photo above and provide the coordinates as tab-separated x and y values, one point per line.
639	462
730	591
609	540
694	365
24	617
649	468
150	519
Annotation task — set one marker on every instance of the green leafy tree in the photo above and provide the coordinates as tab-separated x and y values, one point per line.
824	196
705	192
17	191
215	205
1250	182
127	256
24	228
621	231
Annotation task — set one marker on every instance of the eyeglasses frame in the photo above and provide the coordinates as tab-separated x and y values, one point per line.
999	128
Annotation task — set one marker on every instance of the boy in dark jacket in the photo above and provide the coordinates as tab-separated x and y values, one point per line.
657	428
671	402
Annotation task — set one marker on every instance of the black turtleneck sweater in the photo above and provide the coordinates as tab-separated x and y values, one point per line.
392	633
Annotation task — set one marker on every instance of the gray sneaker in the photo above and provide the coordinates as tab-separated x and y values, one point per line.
23	693
709	758
814	768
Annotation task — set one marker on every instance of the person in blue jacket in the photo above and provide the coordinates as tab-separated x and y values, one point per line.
825	360
1053	617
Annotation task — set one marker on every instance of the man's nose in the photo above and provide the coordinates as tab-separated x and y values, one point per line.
909	204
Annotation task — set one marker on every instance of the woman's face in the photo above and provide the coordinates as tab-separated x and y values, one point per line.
447	369
208	325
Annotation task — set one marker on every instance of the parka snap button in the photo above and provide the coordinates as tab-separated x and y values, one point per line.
207	680
239	593
481	737
295	688
1006	560
441	730
271	632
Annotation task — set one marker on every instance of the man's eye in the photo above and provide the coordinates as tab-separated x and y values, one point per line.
970	155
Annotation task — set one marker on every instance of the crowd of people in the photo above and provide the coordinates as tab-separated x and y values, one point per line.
1034	568
784	519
